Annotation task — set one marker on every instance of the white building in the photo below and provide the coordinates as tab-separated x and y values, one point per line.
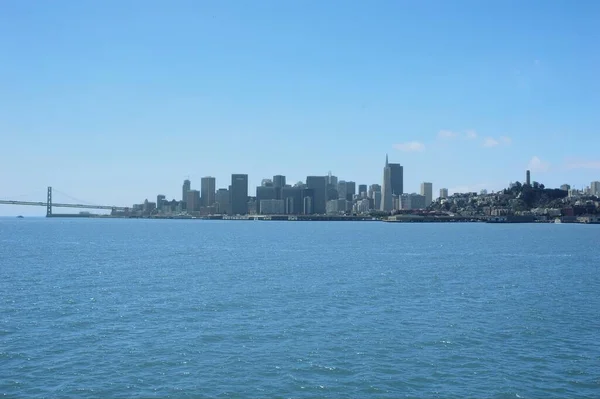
411	201
362	206
427	192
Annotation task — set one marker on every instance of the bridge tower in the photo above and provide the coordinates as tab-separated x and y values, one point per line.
49	203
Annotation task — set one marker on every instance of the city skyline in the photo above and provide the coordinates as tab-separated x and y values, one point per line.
206	192
104	111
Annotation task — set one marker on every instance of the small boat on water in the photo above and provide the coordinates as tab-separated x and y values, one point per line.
20	217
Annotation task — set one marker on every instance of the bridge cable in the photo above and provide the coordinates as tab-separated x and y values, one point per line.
77	200
31	194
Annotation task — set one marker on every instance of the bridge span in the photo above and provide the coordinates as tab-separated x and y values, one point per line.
49	204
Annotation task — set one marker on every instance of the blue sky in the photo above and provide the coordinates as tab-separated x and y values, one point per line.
117	101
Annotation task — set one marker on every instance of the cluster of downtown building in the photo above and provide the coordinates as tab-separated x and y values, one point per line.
318	195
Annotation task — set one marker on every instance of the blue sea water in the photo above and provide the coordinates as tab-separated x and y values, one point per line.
149	308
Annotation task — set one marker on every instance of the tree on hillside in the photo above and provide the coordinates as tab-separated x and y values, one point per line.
518	186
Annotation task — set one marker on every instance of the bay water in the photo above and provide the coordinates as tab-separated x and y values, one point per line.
184	308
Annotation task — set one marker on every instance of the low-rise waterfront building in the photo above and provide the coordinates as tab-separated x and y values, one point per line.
272	207
411	201
363	206
338	206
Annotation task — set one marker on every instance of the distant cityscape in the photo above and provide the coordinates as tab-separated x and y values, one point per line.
328	195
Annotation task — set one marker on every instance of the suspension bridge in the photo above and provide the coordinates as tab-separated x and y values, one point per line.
49	204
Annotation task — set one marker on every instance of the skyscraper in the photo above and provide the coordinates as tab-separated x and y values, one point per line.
332	193
187	185
376	199
279	181
350	190
443	193
362	188
208	187
293	199
223	198
341	189
346	190
332	181
427	192
160	199
332	187
265	193
387	203
397	178
193	201
595	188
319	186
528	178
372	189
239	194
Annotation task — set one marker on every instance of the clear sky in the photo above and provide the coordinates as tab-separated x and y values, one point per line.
117	101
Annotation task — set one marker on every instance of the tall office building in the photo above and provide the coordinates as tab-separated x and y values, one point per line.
341	189
372	189
208	188
397	178
308	199
427	192
187	186
387	203
193	201
443	193
350	190
279	181
319	186
222	198
377	200
307	208
362	188
332	193
346	190
595	188
293	199
160	200
265	193
332	187
288	205
239	194
528	178
332	181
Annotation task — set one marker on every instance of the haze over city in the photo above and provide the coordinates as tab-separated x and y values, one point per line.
116	102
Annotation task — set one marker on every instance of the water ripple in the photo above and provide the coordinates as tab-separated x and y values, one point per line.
115	308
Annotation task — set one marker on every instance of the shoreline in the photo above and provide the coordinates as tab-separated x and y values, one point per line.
324	218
